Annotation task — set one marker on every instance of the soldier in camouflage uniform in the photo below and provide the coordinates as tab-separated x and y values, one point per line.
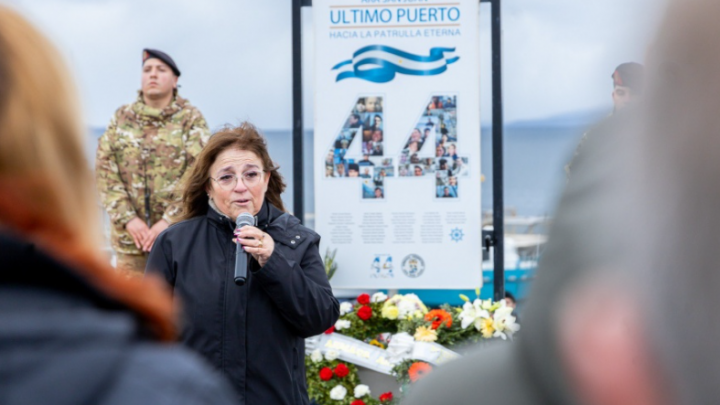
141	158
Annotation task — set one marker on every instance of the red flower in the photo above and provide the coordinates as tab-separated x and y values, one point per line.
341	370
364	299
386	397
364	312
439	317
331	330
326	374
357	402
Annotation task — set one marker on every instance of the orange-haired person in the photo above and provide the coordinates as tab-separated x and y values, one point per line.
72	330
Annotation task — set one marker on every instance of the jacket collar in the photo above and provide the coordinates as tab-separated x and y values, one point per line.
148	113
215	216
264	217
268	216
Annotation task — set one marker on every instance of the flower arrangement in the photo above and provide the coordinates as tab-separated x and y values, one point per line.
406	306
473	322
364	320
375	319
335	382
492	319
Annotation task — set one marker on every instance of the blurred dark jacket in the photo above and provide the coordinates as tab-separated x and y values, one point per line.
62	342
254	334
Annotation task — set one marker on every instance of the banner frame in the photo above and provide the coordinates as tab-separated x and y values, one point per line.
496	241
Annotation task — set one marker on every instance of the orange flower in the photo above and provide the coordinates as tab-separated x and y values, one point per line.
439	317
419	370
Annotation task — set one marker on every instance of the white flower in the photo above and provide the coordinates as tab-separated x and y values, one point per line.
378	297
411	297
346	308
504	323
472	313
338	393
406	307
331	355
361	390
342	324
316	356
487	304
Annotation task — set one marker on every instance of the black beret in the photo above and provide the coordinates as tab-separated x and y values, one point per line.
631	75
154	53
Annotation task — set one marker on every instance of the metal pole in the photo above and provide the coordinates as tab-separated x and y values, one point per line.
298	192
497	144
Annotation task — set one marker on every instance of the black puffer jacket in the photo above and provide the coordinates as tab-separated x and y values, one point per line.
254	333
63	342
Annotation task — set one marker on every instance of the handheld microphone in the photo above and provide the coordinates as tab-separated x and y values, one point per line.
241	258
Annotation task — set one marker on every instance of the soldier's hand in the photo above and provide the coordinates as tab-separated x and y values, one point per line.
159	226
138	230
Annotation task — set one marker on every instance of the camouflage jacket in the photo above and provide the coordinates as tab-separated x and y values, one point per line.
585	136
146	150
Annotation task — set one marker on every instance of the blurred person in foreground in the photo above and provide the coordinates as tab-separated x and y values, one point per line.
72	331
253	333
142	156
628	89
624	307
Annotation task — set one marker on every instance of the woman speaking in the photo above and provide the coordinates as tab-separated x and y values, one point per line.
253	333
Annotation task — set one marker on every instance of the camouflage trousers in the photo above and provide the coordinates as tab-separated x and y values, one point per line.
131	265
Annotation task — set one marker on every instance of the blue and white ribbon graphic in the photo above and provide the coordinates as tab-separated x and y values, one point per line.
380	63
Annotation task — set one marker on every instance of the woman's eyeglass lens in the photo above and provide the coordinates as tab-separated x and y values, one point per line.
229	181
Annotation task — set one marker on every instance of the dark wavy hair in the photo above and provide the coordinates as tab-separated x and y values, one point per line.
244	137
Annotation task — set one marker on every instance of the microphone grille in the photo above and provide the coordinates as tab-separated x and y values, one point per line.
245	218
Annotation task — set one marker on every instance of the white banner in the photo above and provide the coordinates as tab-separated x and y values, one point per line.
397	142
402	347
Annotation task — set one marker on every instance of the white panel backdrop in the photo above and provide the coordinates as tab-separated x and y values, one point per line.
397	142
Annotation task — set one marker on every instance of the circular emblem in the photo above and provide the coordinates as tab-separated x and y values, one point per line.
413	266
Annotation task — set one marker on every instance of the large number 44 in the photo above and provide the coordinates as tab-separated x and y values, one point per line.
358	150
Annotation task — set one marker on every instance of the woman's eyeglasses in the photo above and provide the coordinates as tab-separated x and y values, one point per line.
249	178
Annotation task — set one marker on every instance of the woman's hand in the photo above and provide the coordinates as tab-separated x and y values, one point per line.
256	242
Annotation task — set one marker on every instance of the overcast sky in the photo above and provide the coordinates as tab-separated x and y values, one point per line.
235	55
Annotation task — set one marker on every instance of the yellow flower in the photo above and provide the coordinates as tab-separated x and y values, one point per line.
374	342
487	328
390	312
464	298
425	334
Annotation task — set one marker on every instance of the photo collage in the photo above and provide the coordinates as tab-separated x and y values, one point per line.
438	123
364	123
